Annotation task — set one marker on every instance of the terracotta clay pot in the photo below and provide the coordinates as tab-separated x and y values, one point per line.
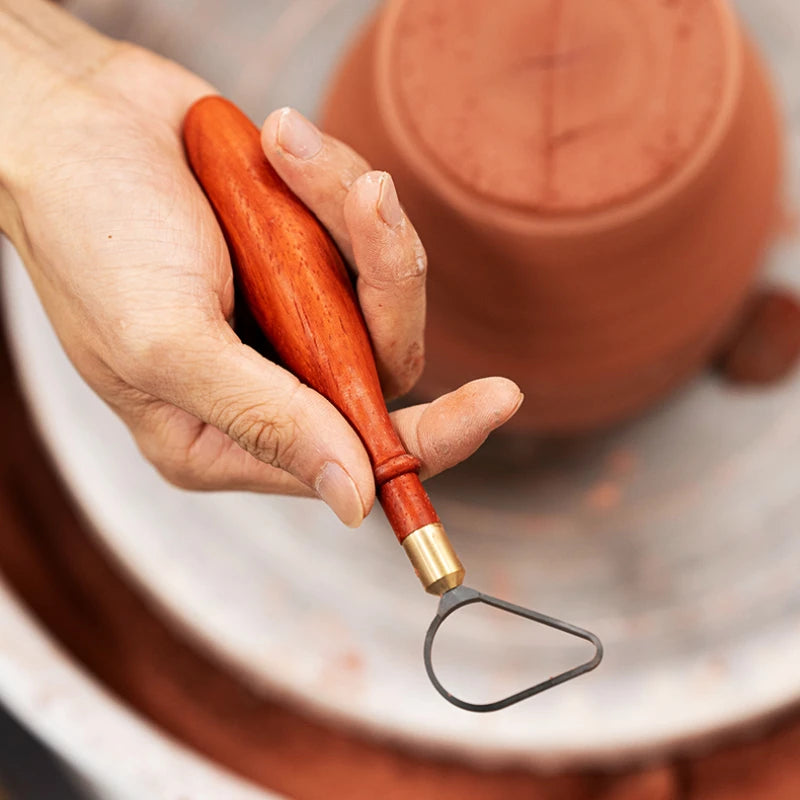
595	184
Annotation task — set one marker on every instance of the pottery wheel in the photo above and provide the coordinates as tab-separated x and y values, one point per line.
674	537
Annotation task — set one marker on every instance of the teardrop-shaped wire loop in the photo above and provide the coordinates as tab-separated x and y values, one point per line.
462	596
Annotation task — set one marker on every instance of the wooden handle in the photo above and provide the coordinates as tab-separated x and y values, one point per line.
298	290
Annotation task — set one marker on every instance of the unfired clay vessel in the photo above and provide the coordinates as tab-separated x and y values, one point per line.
595	183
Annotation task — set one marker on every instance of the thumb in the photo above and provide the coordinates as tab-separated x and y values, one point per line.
270	414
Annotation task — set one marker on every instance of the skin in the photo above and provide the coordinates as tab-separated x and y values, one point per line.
134	273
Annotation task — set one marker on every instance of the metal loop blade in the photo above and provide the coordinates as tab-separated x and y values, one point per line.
462	596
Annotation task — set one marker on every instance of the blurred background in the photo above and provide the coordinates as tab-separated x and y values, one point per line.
170	645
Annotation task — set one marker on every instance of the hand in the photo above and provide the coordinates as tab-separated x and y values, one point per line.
134	273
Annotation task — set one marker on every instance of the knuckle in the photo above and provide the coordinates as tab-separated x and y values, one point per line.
403	266
268	436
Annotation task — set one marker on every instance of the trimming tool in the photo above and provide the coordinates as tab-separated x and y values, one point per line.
297	287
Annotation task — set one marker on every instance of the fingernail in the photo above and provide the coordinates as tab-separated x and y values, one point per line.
297	136
339	491
503	418
388	204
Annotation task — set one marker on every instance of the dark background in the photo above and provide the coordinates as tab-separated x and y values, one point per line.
27	770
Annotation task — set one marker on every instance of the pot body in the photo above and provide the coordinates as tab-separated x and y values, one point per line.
595	197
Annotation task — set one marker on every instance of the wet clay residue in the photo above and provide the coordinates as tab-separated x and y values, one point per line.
595	183
764	347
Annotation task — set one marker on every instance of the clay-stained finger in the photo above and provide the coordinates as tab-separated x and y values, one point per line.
198	456
390	263
448	430
319	169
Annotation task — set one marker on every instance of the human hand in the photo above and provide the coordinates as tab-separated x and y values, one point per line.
134	273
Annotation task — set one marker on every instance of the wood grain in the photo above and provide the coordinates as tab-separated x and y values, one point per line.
296	286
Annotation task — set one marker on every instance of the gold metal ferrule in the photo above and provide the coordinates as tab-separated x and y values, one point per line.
434	559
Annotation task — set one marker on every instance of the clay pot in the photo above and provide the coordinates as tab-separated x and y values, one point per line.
595	184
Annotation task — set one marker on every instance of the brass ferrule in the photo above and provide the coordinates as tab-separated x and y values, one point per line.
434	559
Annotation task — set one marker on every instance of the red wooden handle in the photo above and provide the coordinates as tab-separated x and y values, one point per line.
298	290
